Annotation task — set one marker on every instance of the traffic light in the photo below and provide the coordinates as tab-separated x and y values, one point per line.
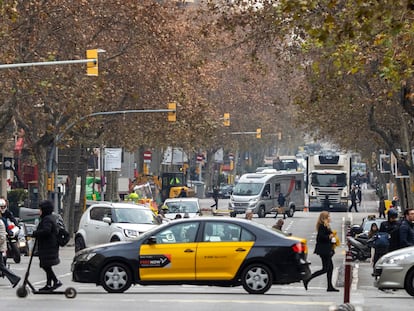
172	115
92	66
259	133
226	119
50	183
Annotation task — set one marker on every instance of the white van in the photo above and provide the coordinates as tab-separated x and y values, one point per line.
259	192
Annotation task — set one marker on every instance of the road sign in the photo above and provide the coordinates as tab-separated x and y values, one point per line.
8	163
147	156
200	158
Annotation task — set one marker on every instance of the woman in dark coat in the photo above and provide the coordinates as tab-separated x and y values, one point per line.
324	248
47	245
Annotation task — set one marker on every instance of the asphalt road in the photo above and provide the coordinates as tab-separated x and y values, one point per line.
292	297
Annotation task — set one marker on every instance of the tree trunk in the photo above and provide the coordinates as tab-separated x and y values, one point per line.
40	152
112	186
70	206
406	195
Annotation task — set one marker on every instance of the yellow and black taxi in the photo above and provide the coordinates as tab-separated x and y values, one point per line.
201	251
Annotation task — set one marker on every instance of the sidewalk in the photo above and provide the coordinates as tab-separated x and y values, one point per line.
361	271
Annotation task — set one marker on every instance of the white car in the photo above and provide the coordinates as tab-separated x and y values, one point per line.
395	270
106	222
186	207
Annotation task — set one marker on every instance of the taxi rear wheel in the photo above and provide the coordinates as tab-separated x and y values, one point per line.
257	279
116	278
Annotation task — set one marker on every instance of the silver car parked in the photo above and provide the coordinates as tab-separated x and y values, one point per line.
395	270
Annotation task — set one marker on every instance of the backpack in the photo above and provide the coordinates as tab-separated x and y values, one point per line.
381	240
62	234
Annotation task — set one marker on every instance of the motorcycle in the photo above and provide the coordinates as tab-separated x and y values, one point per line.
360	248
13	248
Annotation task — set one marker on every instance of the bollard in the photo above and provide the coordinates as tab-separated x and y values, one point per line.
348	269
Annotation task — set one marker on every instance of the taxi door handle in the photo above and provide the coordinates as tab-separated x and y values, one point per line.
189	250
240	249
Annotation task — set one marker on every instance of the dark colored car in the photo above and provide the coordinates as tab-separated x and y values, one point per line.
199	251
225	191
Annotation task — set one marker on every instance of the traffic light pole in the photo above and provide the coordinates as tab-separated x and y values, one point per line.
92	69
258	133
91	62
51	63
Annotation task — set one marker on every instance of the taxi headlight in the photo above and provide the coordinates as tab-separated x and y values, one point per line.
131	233
86	257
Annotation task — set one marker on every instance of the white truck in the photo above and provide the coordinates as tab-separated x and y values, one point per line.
259	192
328	182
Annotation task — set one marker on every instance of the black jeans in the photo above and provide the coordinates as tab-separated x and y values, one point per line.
354	205
327	267
50	276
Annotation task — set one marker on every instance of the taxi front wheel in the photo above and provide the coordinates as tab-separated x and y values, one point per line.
257	279
116	278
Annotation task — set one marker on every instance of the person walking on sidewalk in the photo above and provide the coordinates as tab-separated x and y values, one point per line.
390	226
13	278
325	241
406	230
359	196
381	207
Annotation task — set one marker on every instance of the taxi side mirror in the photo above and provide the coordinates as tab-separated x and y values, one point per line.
152	240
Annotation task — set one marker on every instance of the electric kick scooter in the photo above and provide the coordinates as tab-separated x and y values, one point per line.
23	291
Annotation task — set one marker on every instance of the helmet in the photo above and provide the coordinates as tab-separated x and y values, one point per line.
392	213
3	205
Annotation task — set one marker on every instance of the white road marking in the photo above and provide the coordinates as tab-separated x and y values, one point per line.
272	302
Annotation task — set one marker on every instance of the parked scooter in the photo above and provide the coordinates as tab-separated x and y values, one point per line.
13	248
360	248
